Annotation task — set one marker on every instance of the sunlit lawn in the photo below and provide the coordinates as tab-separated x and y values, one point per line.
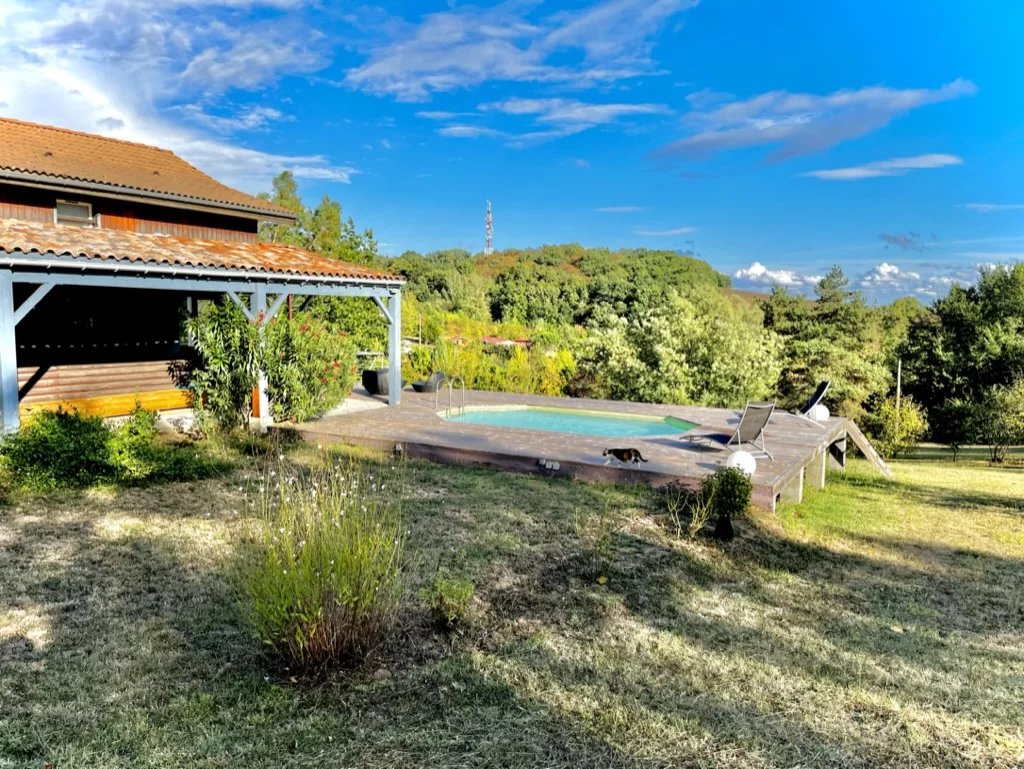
880	624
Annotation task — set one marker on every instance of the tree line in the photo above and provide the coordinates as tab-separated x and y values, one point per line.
659	325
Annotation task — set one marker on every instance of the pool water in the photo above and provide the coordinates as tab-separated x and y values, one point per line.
571	421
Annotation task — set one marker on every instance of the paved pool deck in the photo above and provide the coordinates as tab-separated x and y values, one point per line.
802	450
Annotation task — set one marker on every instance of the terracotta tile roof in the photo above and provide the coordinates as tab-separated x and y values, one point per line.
81	159
168	251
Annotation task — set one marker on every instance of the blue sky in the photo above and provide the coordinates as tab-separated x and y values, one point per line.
775	139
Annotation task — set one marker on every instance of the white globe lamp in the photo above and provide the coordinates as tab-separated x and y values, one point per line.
743	461
819	413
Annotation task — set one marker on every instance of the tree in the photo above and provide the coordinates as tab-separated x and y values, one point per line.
831	338
703	349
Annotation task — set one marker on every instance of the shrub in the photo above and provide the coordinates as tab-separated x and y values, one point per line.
725	494
901	427
227	369
999	418
59	449
133	449
310	366
448	599
323	577
62	449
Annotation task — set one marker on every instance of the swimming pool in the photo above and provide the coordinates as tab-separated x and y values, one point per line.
576	421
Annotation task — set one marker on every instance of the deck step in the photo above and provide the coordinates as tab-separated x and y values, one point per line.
861	441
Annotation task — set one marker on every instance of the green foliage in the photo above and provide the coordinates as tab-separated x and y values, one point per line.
321	229
59	449
310	366
67	449
901	427
726	495
954	423
448	599
323	576
704	349
133	447
835	338
971	340
999	418
229	354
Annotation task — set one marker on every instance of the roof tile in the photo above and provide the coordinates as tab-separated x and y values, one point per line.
116	245
72	156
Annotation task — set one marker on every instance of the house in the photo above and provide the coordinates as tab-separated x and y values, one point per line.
106	245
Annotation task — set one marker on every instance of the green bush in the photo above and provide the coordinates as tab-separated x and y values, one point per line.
133	448
66	449
999	419
229	354
323	576
449	599
310	365
59	449
725	494
901	427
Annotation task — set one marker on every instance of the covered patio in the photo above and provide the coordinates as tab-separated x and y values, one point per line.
259	277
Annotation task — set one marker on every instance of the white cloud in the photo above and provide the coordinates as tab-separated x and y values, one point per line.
619	209
146	72
571	111
890	275
666	233
460	131
252	117
556	117
989	208
467	46
758	273
801	123
891	167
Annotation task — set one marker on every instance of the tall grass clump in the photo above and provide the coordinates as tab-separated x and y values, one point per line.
323	576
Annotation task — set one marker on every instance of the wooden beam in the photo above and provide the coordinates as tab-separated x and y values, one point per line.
34	298
258	308
241	305
860	440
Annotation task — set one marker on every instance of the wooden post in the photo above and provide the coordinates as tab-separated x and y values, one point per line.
816	469
258	308
8	356
395	349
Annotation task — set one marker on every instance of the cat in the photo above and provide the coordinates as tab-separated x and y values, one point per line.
626	456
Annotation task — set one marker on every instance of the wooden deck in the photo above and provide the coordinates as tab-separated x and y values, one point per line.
801	449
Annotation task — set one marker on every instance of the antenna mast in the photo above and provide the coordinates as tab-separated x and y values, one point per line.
489	231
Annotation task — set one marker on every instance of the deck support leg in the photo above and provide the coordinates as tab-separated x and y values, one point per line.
816	470
8	356
837	454
794	490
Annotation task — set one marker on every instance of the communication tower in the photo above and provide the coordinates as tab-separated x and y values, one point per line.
489	231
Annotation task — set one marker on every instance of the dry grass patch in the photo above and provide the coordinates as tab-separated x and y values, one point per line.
878	625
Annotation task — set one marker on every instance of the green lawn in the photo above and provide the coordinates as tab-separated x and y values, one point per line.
880	624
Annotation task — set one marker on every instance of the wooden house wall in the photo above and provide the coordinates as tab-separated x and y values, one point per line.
101	350
29	204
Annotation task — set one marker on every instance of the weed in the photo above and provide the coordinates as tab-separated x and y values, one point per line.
449	600
596	531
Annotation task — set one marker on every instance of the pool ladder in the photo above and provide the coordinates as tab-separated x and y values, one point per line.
451	390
